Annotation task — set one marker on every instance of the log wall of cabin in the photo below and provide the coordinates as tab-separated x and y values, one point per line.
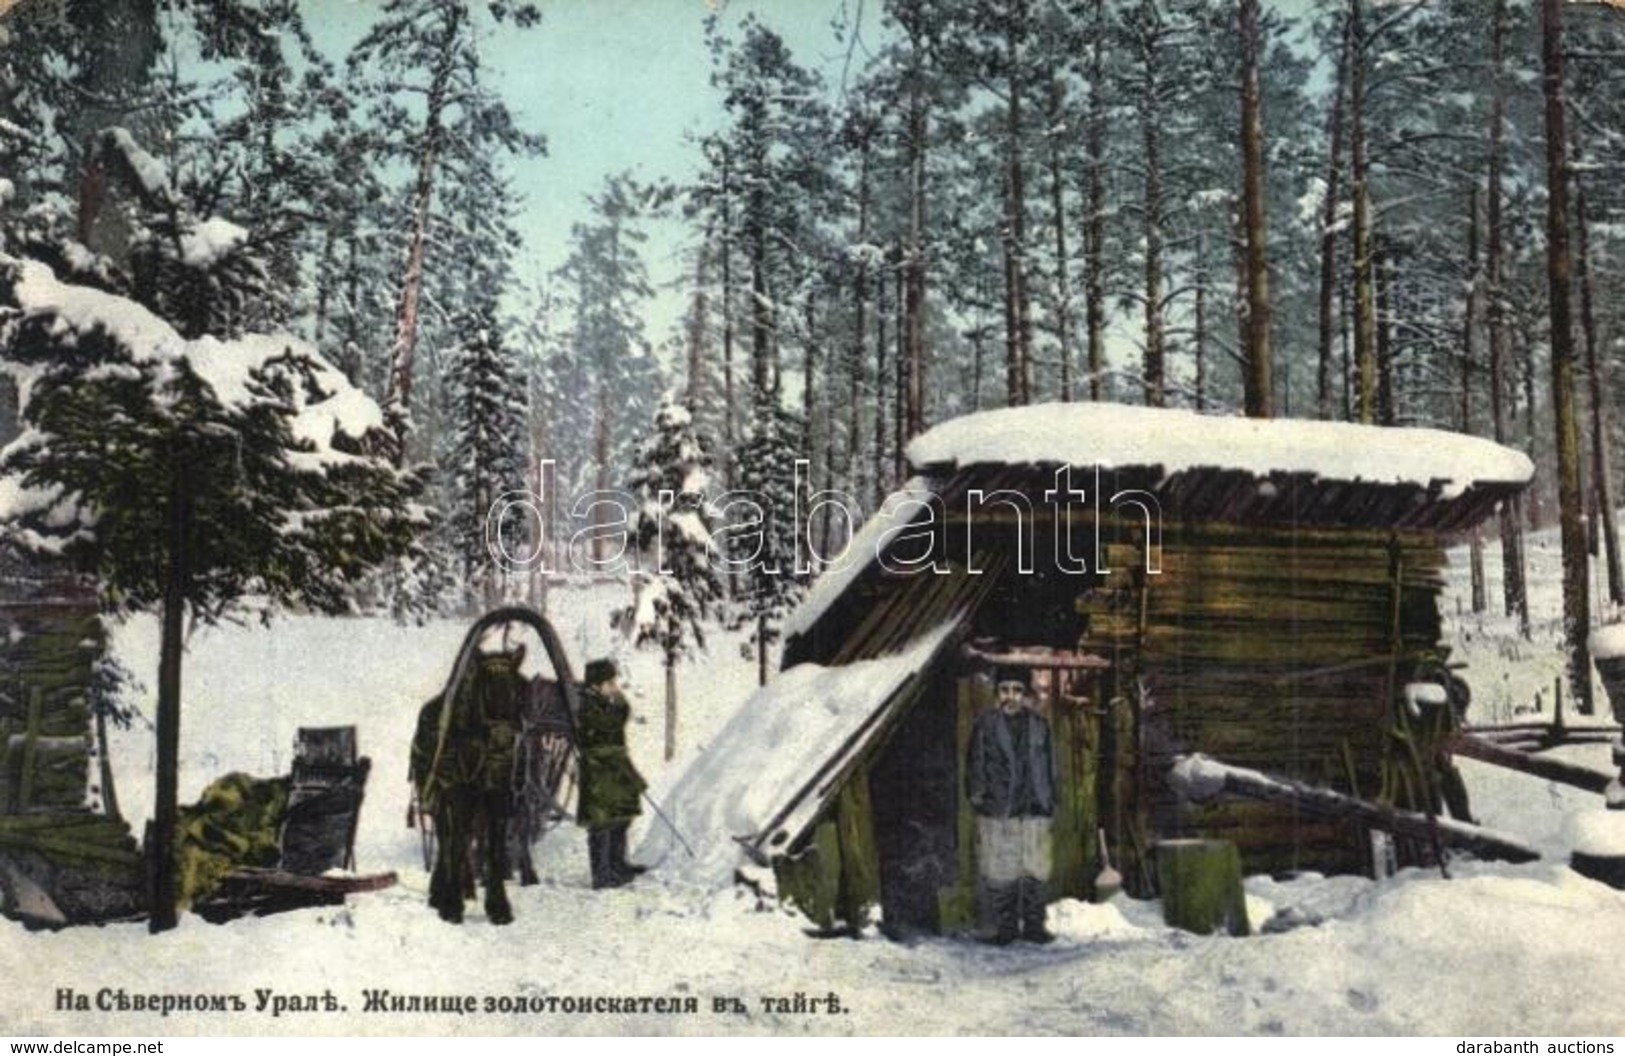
1277	650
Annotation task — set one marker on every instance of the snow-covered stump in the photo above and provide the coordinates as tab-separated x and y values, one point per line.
1608	653
1598	838
1200	881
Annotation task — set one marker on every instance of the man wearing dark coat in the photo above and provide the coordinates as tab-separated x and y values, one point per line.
611	787
1010	781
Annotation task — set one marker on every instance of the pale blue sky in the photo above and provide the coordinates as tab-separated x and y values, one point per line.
623	85
618	85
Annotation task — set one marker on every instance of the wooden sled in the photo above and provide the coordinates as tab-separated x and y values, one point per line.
317	836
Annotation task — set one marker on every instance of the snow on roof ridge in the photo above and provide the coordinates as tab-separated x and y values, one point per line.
1116	436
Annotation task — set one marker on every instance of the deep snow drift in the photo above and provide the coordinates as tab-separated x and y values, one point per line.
1494	950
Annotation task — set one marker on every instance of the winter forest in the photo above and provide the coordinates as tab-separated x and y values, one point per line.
317	308
1355	211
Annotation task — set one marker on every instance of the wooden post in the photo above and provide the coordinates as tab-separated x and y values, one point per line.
1200	881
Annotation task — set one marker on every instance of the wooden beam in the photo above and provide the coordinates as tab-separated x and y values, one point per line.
1200	779
1476	747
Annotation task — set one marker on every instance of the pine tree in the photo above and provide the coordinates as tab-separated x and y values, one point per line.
677	586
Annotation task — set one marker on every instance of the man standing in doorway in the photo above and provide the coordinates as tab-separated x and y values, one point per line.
1010	779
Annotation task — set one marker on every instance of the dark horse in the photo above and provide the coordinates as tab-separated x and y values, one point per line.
477	770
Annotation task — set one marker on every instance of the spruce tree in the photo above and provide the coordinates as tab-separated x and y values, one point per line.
677	585
487	455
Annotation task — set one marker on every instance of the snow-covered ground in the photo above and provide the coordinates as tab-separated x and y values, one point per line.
1495	950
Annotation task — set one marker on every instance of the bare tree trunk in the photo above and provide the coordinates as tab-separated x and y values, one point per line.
762	363
1469	353
1258	386
1576	598
1200	321
403	354
1020	320
1095	229
1382	274
171	651
912	335
1514	590
1607	520
1057	191
901	376
671	708
860	327
730	398
699	316
601	435
1155	368
1328	229
810	366
881	381
1365	349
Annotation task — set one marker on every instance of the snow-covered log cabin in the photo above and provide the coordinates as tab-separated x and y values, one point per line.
1258	591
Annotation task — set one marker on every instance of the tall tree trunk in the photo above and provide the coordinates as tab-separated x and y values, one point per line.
123	40
761	323
882	380
1469	353
601	437
1514	591
698	330
403	354
1382	275
1095	228
171	649
1576	599
1365	348
1328	231
1258	359
901	376
1154	369
1607	519
1021	319
860	326
1200	321
912	335
671	707
1057	190
730	396
811	355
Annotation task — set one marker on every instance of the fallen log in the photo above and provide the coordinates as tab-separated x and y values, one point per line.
1476	747
1199	778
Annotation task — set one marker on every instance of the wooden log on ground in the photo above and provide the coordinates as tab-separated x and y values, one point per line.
1475	747
1200	883
1200	779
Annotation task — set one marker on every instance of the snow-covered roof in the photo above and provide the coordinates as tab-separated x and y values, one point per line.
775	763
1117	436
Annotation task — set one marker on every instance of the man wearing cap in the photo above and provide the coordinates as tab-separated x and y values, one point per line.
1010	781
610	785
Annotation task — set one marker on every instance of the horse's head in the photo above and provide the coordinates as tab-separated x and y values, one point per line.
499	689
